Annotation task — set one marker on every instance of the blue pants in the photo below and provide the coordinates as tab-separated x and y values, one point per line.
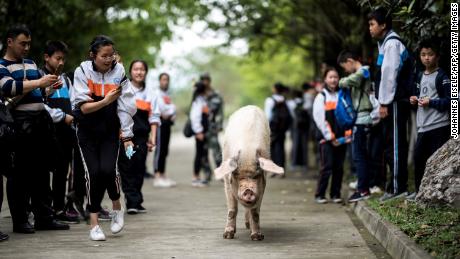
367	156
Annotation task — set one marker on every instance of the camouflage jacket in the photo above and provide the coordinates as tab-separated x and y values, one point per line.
216	112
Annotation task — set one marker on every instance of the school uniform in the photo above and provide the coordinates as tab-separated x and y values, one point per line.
132	170
331	157
99	132
433	122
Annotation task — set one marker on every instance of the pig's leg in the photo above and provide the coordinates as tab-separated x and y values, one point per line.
247	216
232	207
254	223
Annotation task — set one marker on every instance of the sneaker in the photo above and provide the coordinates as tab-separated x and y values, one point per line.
353	185
375	190
141	209
320	200
197	183
161	183
358	196
3	236
337	200
104	215
205	182
389	196
96	234
132	211
118	221
66	217
171	182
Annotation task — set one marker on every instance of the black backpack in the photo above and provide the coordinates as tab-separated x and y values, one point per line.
302	117
6	126
281	118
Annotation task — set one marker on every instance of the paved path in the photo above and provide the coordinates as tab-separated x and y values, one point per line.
186	222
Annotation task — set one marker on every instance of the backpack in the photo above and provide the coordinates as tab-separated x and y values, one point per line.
302	117
6	126
345	113
406	76
281	118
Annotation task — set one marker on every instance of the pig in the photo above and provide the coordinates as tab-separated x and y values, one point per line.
246	161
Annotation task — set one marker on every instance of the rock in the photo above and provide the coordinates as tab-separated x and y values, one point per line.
441	181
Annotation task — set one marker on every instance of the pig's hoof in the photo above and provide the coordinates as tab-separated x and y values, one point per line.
247	225
257	237
229	234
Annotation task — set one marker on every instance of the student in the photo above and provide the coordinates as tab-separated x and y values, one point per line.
280	121
20	79
390	90
359	83
199	114
168	116
299	130
216	119
57	103
146	121
331	139
103	103
433	101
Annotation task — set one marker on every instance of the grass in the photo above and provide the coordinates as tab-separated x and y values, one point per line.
436	229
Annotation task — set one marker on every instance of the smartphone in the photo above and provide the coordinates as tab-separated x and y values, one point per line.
58	72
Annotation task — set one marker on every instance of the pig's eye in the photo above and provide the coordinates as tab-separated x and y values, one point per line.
256	176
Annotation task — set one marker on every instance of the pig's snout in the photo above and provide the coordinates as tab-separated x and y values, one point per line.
248	196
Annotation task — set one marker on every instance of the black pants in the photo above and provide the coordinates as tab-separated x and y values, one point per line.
277	148
77	181
332	159
132	171
396	146
66	142
29	180
427	143
99	155
163	145
201	159
376	163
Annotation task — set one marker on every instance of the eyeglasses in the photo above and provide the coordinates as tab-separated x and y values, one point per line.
108	58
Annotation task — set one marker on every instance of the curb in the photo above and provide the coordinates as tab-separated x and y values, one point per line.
396	242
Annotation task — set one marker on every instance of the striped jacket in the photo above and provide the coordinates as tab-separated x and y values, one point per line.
91	85
148	111
12	75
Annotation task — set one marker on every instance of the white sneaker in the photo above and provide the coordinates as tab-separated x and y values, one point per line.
161	183
376	190
96	234
118	221
353	185
171	182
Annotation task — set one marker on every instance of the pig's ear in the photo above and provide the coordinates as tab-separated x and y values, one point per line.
227	167
269	166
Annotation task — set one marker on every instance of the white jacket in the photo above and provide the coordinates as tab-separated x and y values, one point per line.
391	55
199	106
167	108
148	102
90	83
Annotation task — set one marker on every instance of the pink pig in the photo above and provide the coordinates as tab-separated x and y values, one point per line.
246	161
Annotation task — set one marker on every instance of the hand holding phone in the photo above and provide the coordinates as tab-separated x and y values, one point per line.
58	72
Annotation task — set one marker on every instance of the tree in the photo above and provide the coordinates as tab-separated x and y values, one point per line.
136	26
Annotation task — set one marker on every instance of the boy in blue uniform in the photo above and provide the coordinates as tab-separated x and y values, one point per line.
57	103
432	96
